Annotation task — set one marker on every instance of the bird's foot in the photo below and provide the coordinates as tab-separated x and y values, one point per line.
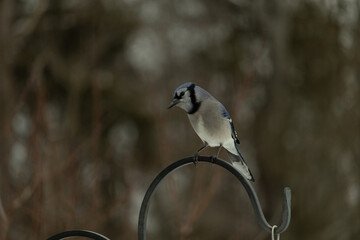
196	159
213	159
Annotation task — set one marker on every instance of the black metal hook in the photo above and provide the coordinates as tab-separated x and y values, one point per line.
78	233
286	215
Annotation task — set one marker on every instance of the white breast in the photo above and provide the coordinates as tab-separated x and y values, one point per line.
205	134
210	125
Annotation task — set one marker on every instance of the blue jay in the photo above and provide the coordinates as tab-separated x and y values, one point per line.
211	122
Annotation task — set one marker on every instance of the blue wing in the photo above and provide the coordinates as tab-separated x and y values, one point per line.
233	132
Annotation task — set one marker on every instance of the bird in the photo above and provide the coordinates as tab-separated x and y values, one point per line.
211	122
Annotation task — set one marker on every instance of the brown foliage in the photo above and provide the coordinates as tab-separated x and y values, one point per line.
84	87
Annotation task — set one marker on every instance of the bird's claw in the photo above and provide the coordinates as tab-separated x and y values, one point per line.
196	159
213	159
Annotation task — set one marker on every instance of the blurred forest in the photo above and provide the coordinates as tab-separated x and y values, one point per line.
84	87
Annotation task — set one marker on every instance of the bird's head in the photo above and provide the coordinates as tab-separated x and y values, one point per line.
186	97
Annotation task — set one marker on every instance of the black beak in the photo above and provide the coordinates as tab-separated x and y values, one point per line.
173	103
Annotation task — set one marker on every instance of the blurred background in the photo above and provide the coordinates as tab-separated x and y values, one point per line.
84	87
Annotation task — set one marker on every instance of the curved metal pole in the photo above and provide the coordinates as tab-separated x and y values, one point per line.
286	215
78	233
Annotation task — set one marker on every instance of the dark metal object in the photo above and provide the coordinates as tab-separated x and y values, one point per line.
78	233
286	215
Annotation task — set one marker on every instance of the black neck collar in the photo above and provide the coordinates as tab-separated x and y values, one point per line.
195	104
195	108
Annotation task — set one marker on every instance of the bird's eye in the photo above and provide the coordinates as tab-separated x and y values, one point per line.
179	95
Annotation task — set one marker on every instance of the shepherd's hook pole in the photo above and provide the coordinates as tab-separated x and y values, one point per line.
286	214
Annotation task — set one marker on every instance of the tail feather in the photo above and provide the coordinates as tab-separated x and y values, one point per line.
240	165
